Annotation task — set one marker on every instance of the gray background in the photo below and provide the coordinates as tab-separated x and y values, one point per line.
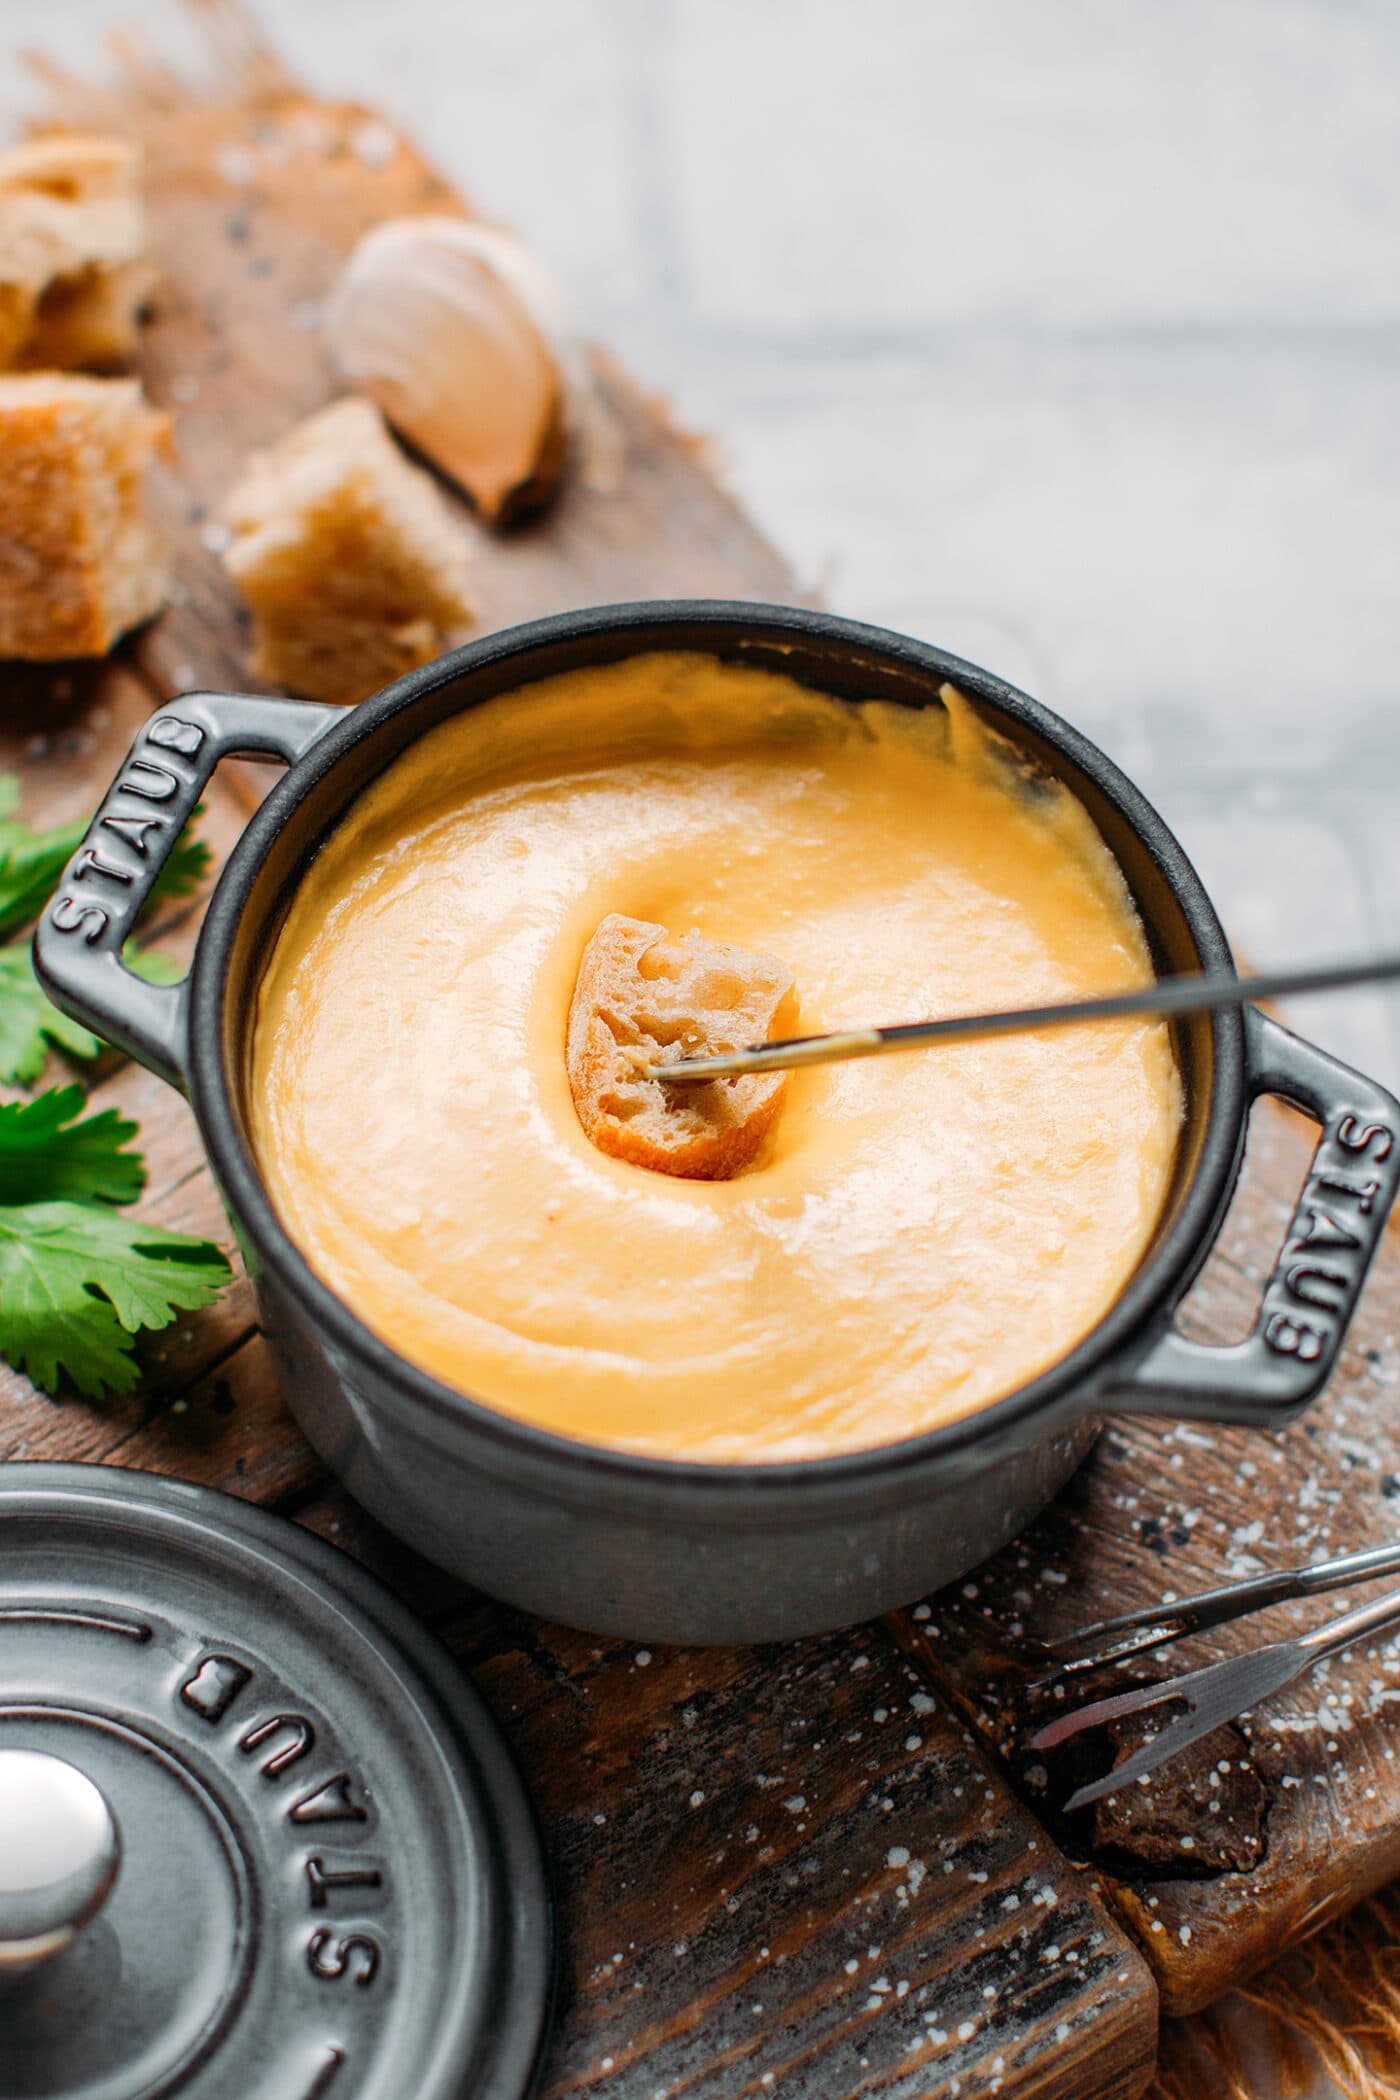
1062	334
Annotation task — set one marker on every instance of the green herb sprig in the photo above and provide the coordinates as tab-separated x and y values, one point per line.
79	1279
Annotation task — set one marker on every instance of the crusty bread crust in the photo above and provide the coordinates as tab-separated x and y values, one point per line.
74	275
80	562
352	564
644	996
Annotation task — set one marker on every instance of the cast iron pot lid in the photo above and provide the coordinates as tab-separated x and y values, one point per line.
257	1833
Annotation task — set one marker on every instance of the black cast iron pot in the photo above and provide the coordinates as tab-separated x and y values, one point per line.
661	1549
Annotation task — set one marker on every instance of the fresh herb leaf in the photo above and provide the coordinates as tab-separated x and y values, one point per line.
30	865
152	965
189	863
78	1282
47	1155
28	1023
77	1279
32	861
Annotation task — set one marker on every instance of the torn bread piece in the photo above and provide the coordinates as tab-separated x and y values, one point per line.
74	273
80	560
353	565
643	996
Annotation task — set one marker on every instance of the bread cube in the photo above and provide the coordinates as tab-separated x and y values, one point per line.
350	560
80	560
74	274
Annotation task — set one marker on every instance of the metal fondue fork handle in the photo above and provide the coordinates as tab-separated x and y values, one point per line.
1136	1632
1192	994
1218	1693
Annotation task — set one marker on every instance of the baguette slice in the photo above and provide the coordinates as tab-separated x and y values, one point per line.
80	561
348	556
74	274
643	996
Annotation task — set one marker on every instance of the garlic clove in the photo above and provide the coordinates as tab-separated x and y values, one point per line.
463	342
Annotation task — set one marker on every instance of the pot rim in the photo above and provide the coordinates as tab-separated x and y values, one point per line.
1159	1279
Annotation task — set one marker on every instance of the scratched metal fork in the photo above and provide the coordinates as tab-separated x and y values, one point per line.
1222	1690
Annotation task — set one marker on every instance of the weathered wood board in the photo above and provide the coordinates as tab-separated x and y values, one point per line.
813	1954
778	1870
1216	1871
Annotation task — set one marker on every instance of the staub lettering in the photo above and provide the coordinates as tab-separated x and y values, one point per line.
132	830
90	862
1365	1192
151	782
1371	1138
279	1741
297	1735
174	734
323	1881
356	1955
90	920
1329	1244
139	836
1324	1231
1290	1337
1313	1285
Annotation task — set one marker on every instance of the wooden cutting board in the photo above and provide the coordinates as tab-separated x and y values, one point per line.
1269	1828
796	1869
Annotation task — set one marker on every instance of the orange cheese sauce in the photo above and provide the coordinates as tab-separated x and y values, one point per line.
921	1233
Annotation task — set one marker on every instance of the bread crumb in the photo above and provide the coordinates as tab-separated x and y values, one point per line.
645	996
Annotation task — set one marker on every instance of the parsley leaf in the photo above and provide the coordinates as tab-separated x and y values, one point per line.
30	864
28	1023
151	964
46	1155
32	861
77	1279
189	863
78	1282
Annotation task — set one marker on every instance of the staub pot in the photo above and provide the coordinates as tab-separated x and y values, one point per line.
656	1548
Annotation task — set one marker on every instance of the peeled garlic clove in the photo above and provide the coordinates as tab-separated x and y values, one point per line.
461	339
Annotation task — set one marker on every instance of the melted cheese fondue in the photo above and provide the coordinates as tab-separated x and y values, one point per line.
919	1235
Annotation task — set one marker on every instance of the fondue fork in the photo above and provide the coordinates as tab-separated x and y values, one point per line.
1169	995
1213	1695
1156	1625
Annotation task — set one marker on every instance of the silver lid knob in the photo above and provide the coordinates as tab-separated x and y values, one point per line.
59	1851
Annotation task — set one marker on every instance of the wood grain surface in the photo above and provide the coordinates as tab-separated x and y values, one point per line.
778	1870
1217	1870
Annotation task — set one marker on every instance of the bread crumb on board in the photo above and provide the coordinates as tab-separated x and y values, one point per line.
643	996
80	561
352	564
74	272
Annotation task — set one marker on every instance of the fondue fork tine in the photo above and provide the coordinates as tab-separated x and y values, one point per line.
1169	995
1218	1693
1157	1625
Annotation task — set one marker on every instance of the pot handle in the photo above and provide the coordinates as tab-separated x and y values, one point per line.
1336	1228
78	941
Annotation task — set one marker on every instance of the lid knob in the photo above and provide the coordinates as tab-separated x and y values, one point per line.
59	1851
